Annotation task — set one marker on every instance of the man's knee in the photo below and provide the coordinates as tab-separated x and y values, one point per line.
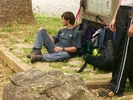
42	31
43	34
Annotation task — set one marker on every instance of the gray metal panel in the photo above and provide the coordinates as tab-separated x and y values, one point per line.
104	8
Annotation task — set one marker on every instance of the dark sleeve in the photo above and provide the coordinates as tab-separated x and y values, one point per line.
77	39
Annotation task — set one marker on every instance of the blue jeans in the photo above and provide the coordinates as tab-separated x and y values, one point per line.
43	39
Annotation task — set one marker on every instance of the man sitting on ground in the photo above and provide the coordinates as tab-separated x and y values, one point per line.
61	46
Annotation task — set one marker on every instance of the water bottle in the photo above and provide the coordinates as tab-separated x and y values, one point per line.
89	47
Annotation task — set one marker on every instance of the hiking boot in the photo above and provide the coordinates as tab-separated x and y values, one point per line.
34	52
36	58
105	92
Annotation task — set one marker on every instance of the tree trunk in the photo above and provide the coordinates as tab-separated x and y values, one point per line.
16	11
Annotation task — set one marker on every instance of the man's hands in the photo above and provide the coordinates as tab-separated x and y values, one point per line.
42	28
112	25
130	31
58	49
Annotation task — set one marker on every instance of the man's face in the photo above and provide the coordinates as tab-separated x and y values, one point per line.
64	21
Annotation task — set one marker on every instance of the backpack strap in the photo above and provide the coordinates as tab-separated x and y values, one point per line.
82	68
114	37
103	35
84	31
101	40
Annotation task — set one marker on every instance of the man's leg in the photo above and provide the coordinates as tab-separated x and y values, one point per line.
120	68
42	38
130	74
60	56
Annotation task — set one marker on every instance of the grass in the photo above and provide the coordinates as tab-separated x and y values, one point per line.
13	34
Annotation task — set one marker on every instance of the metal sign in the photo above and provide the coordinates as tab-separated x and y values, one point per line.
104	8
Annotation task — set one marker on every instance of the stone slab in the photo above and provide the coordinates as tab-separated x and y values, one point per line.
12	61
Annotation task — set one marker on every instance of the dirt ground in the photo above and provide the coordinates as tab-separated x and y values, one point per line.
6	73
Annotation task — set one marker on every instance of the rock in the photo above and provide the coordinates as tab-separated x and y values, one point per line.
35	84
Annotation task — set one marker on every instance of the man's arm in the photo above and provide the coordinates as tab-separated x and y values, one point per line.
114	18
70	49
67	49
112	24
130	31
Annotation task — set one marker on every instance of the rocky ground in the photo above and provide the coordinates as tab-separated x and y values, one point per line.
6	72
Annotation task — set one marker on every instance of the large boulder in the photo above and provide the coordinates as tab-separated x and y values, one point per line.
35	84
